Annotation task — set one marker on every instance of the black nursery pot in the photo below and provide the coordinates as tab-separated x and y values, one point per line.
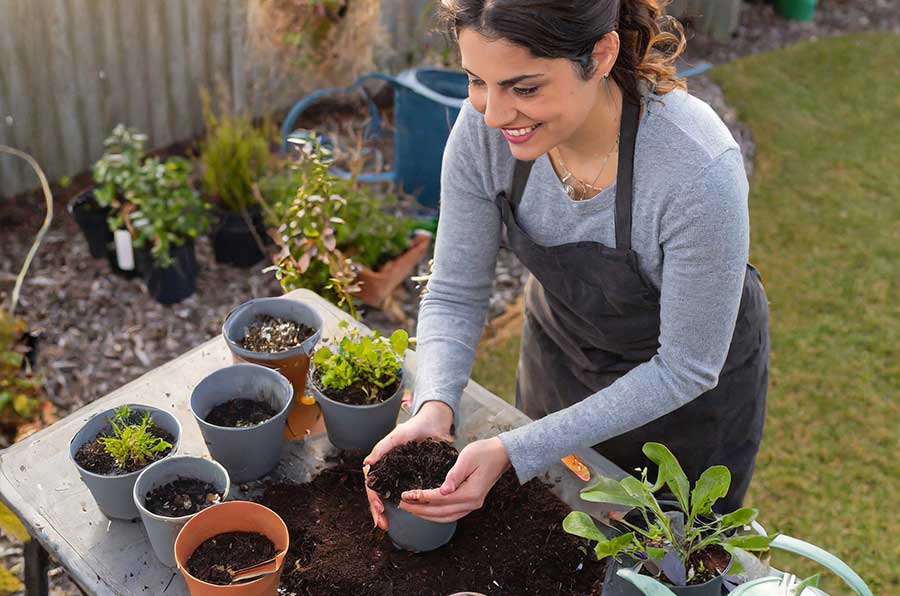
233	241
174	283
139	262
91	218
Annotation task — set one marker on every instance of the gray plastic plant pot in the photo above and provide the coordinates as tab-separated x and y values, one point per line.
114	494
162	530
251	452
415	534
613	585
357	427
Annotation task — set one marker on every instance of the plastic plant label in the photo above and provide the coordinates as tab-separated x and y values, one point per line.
124	252
577	467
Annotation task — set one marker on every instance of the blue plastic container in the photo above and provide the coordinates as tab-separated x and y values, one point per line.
426	104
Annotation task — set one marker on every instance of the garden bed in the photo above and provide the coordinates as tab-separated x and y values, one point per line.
513	545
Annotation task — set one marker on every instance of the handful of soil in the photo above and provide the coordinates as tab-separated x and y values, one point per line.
414	465
218	557
184	496
270	334
240	413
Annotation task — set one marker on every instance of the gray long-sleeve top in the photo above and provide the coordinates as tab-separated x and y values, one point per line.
690	233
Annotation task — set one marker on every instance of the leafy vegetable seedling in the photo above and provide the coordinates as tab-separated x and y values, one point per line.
132	442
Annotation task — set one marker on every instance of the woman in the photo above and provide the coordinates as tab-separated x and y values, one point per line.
626	199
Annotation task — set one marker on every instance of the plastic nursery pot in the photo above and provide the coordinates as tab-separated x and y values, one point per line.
246	452
115	494
378	285
797	10
412	533
162	530
357	427
172	284
233	241
91	218
292	363
234	516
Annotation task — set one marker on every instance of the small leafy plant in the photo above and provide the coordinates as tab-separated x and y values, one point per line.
371	363
132	443
666	543
118	170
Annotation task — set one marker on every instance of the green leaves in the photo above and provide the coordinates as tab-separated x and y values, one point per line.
738	518
615	546
581	524
670	472
371	362
132	444
607	490
711	486
751	542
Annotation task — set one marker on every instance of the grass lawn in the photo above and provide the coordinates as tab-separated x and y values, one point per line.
825	212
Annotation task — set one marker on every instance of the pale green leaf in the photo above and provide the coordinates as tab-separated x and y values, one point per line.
751	542
581	524
399	341
614	546
607	490
670	472
711	486
738	518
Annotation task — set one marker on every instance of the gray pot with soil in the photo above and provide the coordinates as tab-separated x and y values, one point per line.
292	362
170	492
242	410
408	532
91	218
356	426
113	487
234	243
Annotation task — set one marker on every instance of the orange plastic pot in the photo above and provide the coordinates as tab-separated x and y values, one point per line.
378	285
232	516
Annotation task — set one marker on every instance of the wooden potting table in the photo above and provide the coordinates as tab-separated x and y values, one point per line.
41	485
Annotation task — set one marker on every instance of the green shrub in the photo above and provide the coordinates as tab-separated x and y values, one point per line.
118	170
132	442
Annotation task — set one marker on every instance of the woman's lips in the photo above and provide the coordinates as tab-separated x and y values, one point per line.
520	138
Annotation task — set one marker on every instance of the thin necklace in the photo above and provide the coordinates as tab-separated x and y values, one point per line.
569	176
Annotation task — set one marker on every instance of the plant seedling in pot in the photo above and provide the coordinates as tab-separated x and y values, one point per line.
131	443
686	547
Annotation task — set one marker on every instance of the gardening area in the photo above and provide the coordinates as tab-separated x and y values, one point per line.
217	221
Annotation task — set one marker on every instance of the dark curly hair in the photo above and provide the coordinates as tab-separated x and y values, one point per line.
650	40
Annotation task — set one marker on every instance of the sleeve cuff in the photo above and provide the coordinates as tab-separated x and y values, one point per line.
523	461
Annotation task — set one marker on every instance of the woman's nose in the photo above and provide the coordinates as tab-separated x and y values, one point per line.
498	111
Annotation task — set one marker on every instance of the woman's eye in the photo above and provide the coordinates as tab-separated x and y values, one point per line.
525	91
475	83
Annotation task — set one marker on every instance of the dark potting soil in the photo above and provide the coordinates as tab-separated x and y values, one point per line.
270	334
213	560
92	456
414	465
357	394
709	564
184	496
515	544
240	413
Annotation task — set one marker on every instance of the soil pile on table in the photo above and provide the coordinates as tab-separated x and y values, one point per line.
414	465
184	496
270	334
515	544
233	551
240	413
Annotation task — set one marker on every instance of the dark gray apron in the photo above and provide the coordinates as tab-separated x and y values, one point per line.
590	317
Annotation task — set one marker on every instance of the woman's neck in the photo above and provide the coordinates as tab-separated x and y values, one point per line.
598	133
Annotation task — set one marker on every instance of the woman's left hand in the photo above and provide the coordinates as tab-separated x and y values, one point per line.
479	466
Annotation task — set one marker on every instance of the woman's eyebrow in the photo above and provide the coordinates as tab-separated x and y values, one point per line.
508	82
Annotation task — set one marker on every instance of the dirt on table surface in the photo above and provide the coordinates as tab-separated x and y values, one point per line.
183	496
215	558
240	413
414	465
93	457
515	544
268	334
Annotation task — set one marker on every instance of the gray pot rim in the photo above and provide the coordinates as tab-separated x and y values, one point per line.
140	504
304	348
136	473
287	406
311	383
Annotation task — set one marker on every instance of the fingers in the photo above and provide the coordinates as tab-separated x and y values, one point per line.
442	514
376	508
455	477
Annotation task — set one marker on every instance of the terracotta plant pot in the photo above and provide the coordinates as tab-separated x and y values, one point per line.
293	363
378	285
250	452
357	427
233	516
115	494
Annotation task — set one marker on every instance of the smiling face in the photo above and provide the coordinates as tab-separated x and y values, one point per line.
538	103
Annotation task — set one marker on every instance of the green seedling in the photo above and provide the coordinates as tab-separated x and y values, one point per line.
132	442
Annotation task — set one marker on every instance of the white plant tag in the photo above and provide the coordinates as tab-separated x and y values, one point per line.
124	252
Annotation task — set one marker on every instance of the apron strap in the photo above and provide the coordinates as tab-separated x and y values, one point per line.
519	180
631	115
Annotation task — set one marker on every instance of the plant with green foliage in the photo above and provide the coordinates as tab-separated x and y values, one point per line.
235	155
132	443
167	211
370	362
664	544
21	391
118	170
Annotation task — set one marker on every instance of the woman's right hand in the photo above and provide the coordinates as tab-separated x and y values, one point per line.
434	420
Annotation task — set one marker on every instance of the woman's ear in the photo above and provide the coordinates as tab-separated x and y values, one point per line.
606	50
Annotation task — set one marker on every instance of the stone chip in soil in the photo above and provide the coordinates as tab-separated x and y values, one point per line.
422	464
268	334
212	560
515	544
240	413
183	496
